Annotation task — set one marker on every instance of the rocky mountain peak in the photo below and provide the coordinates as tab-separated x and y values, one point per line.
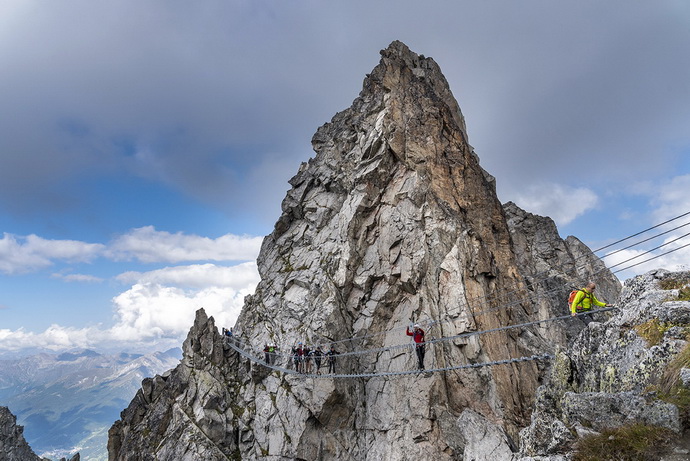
393	221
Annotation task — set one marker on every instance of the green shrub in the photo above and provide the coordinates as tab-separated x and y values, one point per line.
681	284
652	331
671	376
637	442
671	283
671	390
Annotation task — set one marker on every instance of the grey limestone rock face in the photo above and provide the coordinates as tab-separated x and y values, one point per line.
602	410
685	376
393	221
553	267
187	413
602	380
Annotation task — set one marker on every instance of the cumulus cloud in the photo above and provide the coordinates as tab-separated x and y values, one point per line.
561	203
149	311
149	245
146	314
155	311
26	254
669	201
32	253
237	277
156	306
54	338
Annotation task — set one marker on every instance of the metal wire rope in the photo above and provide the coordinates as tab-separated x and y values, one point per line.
649	251
458	336
641	232
385	373
614	243
652	258
441	322
431	323
645	240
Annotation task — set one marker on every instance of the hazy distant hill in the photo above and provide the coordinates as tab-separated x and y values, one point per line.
68	401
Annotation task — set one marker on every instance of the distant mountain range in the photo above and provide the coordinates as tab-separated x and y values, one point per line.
67	402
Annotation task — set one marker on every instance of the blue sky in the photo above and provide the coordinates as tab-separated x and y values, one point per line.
145	147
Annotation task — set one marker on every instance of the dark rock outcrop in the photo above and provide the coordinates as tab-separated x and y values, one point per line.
13	446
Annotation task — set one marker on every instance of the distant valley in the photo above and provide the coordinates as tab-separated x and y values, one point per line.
67	402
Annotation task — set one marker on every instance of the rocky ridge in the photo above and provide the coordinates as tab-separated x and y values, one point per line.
611	375
393	221
13	446
552	266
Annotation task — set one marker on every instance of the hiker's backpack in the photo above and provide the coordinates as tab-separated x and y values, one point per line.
574	293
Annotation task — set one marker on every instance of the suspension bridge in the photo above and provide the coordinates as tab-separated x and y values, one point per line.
395	359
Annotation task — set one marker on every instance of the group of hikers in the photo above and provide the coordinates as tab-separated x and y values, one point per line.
303	355
308	361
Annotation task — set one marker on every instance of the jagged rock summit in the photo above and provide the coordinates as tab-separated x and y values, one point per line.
13	446
392	222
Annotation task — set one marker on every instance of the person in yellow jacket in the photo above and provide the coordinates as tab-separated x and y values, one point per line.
584	301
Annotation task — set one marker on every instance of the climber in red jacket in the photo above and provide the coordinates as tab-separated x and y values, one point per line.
418	336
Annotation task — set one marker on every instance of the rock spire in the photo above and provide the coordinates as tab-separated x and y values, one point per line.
393	221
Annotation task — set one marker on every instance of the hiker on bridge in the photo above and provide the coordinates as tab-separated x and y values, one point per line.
307	355
269	354
584	301
331	355
318	354
298	357
418	335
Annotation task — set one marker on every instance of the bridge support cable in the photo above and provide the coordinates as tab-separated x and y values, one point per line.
640	233
263	363
485	303
287	358
400	354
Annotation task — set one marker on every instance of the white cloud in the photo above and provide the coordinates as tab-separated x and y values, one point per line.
32	253
237	277
149	245
55	338
154	311
672	198
26	254
560	203
149	311
156	306
146	314
82	278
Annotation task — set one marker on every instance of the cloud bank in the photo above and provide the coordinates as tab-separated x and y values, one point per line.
20	254
158	307
154	311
